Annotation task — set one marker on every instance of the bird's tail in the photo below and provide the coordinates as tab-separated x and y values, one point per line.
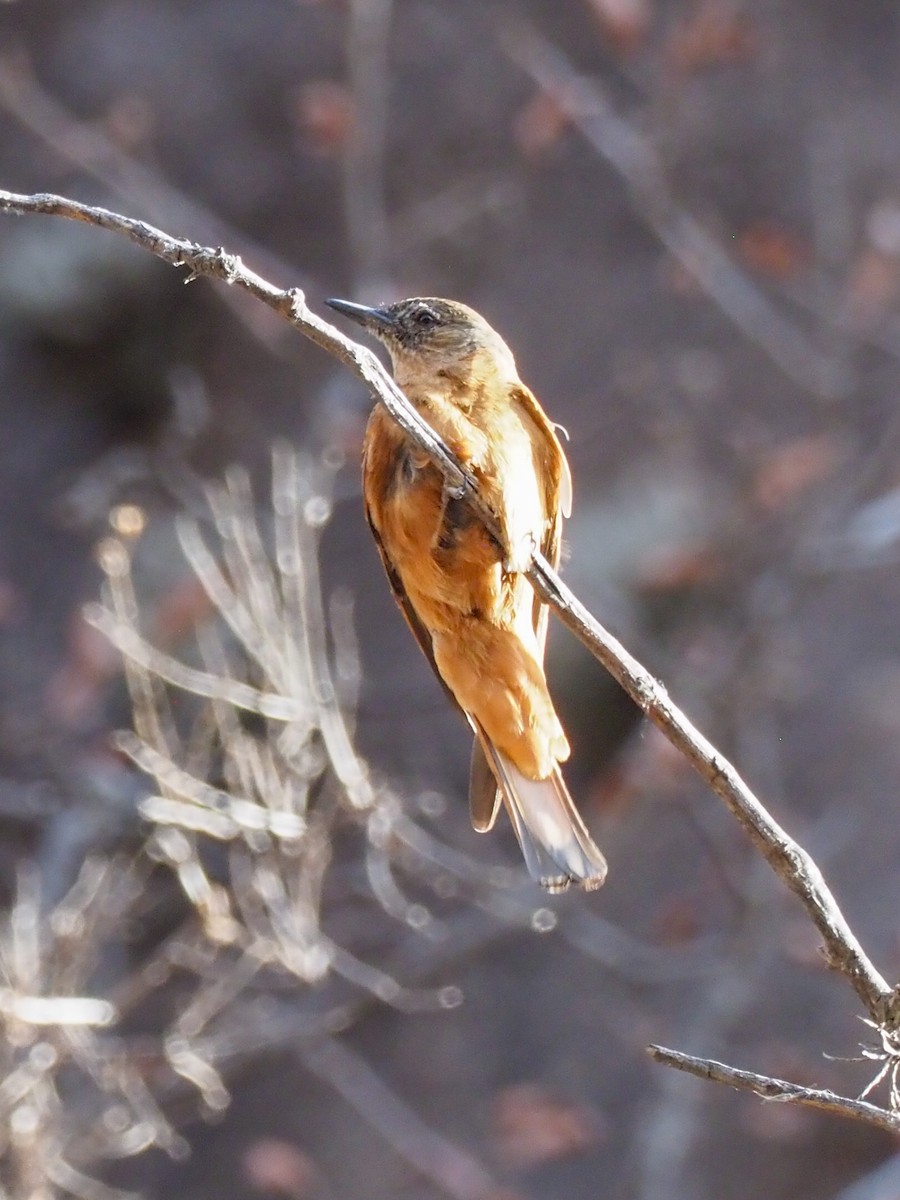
557	847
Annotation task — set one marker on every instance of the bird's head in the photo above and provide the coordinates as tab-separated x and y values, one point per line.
426	336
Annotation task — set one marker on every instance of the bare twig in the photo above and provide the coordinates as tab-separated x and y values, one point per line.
85	145
241	695
798	870
290	303
783	854
777	1089
438	216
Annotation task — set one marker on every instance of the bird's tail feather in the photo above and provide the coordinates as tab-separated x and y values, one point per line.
484	794
557	847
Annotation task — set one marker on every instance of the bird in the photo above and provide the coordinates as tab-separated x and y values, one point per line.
463	591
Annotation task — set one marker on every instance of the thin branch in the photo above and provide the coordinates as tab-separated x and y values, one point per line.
133	647
85	145
216	263
777	1089
795	866
783	854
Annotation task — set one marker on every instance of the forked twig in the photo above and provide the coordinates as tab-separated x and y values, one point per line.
771	1088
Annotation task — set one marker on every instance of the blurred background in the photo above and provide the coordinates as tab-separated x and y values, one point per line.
684	216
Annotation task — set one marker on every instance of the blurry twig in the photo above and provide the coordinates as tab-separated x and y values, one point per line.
434	1156
365	213
447	211
253	786
675	1121
795	866
57	1041
87	146
635	159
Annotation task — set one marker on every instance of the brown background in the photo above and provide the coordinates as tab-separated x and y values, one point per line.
737	523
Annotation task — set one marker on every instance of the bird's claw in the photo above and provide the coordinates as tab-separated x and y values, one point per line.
520	556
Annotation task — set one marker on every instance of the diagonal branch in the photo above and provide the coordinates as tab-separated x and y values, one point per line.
450	1167
637	162
784	855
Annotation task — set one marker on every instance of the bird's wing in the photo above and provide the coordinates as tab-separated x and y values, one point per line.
554	466
484	796
552	469
421	634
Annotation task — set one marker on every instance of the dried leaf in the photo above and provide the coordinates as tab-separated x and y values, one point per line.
773	251
714	34
130	121
180	610
794	466
323	110
680	920
271	1165
625	23
875	278
873	286
534	1125
539	125
649	765
73	692
678	568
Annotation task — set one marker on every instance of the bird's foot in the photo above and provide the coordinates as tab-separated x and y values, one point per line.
520	555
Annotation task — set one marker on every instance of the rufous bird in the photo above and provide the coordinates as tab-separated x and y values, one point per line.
465	597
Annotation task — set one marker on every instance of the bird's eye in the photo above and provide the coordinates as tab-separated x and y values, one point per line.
424	318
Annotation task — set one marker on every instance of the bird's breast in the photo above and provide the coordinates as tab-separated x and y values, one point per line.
449	564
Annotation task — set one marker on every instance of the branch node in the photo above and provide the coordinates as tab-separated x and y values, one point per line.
891	1010
296	303
460	490
229	265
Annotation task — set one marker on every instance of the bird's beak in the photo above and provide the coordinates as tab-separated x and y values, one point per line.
375	320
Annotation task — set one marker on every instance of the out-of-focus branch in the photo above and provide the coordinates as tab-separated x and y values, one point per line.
85	145
784	855
365	212
777	1089
637	162
438	1159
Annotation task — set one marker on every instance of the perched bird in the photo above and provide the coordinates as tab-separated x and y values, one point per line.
473	612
